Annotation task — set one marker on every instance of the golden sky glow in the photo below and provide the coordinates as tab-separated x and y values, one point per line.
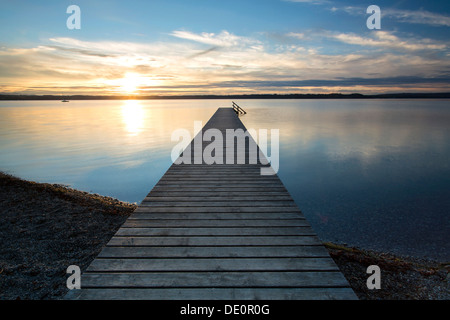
186	62
130	83
247	65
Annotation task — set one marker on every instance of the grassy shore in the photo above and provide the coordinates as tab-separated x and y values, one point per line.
47	227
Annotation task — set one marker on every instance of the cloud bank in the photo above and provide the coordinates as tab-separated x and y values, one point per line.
226	63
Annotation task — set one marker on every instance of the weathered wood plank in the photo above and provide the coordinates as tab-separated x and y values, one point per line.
215	183
214	252
218	174
255	231
147	214
302	293
241	189
215	279
193	194
209	209
222	177
212	264
224	197
233	203
216	167
215	241
220	223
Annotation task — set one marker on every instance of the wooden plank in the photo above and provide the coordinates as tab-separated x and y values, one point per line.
215	279
212	264
219	168
209	209
219	204
193	166
214	294
235	174
223	197
256	186
192	194
220	223
220	181
215	183
141	214
219	173
191	231
214	252
214	241
201	189
222	177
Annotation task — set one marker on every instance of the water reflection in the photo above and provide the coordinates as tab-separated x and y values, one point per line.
114	148
133	116
369	173
372	173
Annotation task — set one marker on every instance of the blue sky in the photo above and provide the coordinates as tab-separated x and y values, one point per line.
224	47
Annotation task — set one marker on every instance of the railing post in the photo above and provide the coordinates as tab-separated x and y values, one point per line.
238	109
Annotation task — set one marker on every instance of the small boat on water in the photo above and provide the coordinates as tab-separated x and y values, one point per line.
65	100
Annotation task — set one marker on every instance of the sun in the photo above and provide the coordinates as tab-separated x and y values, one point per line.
134	83
130	83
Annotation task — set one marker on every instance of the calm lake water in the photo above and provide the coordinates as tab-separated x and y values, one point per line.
368	173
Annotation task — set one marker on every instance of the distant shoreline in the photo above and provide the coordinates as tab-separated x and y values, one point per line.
439	95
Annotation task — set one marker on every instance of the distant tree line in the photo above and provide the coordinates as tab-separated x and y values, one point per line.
440	95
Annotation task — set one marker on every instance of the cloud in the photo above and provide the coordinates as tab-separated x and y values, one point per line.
204	52
418	17
223	39
342	82
81	51
388	40
381	39
297	35
338	82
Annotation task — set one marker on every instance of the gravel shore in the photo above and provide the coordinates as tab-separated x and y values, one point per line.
47	227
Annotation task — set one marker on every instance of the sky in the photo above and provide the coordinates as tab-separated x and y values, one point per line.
175	47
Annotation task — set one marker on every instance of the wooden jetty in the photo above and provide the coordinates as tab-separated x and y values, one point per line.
219	231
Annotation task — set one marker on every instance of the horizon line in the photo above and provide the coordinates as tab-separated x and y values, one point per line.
437	95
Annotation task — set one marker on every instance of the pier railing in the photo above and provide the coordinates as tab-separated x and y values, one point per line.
238	109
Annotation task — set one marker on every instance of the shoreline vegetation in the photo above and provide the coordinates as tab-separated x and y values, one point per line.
435	95
47	227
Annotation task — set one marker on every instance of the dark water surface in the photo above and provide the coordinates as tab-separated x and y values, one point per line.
369	173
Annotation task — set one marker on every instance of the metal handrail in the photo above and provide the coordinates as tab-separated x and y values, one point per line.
238	109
